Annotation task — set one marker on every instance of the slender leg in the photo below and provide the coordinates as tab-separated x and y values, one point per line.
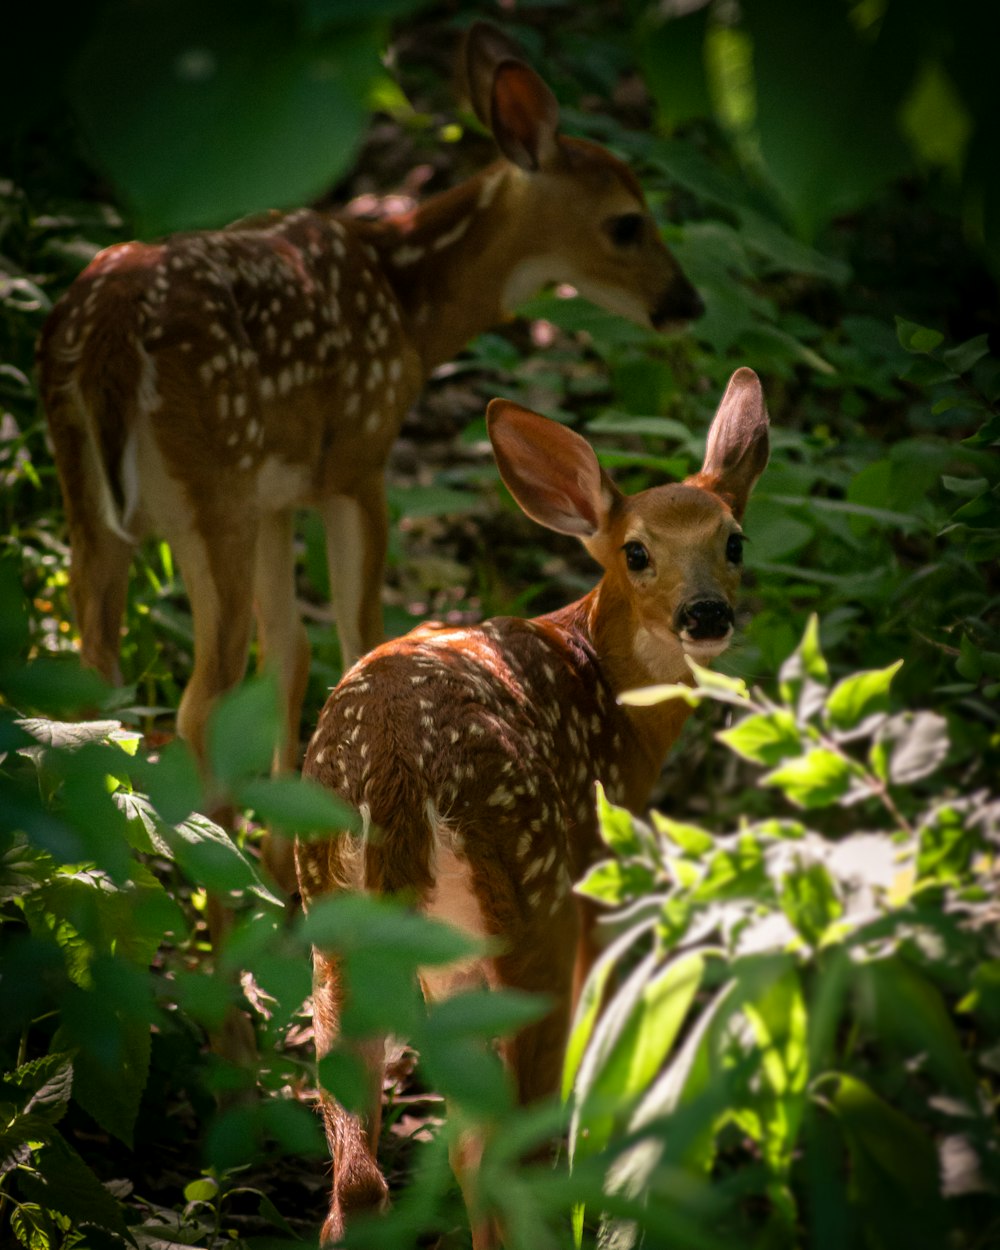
358	1184
218	579
356	534
285	651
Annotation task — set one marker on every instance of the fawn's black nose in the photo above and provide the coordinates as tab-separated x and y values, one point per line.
681	303
704	618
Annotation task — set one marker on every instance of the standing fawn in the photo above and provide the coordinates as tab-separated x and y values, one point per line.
206	386
472	753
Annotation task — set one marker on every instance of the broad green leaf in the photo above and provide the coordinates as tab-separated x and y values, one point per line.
816	779
806	661
620	1065
172	782
824	117
779	1020
691	839
917	744
210	857
735	869
205	1189
909	1010
245	730
486	1014
296	804
810	902
591	998
719	683
63	1182
351	922
222	78
764	737
109	1027
44	1085
614	881
895	1173
855	697
917	338
617	826
649	696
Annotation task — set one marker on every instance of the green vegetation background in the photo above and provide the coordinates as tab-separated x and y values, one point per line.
802	1048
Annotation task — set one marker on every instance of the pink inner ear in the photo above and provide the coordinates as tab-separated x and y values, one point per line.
525	115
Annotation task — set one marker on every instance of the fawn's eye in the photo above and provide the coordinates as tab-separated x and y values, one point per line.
625	229
734	548
636	557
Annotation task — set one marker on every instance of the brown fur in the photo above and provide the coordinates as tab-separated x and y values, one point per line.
205	387
473	753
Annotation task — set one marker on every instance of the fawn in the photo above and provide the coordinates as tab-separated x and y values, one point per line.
472	753
206	386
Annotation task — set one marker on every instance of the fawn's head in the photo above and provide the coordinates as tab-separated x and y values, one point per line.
587	216
671	554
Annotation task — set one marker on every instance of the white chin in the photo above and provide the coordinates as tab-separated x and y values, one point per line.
701	650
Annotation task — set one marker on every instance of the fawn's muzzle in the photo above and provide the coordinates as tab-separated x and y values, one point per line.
681	303
704	619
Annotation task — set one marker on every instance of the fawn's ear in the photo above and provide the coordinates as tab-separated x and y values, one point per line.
551	472
738	444
510	98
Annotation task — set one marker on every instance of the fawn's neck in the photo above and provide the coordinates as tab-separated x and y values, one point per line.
460	260
654	730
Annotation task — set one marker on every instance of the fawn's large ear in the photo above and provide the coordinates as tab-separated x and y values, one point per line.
738	444
551	472
510	98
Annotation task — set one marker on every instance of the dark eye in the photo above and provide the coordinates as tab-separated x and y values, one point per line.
734	548
636	557
625	229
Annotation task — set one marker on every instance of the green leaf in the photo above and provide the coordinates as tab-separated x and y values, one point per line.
735	870
917	743
205	1189
855	697
917	338
824	122
245	730
172	782
614	881
222	78
617	826
910	1012
591	999
963	357
691	839
810	902
210	857
805	662
297	805
351	922
485	1014
43	1086
109	1029
719	683
649	696
636	1032
764	737
816	779
894	1166
63	1182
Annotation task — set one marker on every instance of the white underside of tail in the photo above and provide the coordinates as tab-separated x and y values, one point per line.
96	471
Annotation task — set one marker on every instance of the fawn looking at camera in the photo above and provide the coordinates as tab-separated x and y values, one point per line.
472	753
